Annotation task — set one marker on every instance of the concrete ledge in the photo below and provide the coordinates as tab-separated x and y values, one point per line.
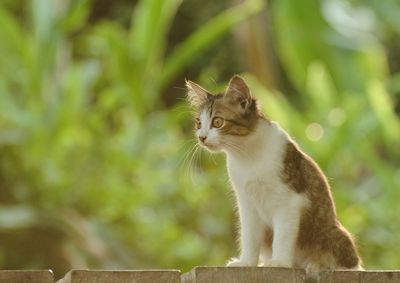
128	276
202	275
26	276
373	276
244	275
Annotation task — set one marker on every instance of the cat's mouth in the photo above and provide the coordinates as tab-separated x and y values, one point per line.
210	146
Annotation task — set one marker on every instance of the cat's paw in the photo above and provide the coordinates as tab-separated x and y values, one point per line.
237	262
277	263
313	268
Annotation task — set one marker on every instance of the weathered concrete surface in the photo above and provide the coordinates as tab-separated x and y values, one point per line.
202	275
348	276
244	275
26	276
381	276
128	276
340	276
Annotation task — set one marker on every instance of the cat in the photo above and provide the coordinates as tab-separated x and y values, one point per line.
286	210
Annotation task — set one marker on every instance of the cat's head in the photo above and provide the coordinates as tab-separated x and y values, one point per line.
222	119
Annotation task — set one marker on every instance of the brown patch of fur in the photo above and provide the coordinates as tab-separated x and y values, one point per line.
236	122
268	237
236	106
320	234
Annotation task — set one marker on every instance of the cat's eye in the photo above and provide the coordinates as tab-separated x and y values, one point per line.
197	123
217	122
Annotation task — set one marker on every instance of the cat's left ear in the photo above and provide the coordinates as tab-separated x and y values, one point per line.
196	95
239	91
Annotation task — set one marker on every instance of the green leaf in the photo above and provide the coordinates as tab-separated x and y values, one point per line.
75	16
197	42
43	16
150	24
147	42
381	104
320	88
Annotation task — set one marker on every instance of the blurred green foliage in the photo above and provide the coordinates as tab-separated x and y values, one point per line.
96	170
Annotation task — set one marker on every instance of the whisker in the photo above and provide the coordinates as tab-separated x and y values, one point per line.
188	152
192	162
199	158
183	109
187	164
235	148
215	83
178	87
212	158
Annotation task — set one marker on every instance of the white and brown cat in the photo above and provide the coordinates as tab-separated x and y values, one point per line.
287	213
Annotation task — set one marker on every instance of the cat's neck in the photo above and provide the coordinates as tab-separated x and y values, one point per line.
264	138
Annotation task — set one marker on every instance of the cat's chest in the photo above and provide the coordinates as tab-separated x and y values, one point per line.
259	163
264	170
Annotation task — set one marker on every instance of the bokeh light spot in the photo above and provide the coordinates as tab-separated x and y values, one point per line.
336	117
314	132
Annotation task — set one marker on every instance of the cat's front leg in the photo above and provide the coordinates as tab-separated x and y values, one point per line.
286	227
251	231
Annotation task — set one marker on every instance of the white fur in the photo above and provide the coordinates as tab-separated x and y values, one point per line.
264	201
213	138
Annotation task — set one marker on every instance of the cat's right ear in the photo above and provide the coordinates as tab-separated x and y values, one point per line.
196	95
239	92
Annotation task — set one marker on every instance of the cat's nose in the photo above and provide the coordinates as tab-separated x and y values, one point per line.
202	138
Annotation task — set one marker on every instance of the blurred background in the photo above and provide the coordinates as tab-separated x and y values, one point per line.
97	166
